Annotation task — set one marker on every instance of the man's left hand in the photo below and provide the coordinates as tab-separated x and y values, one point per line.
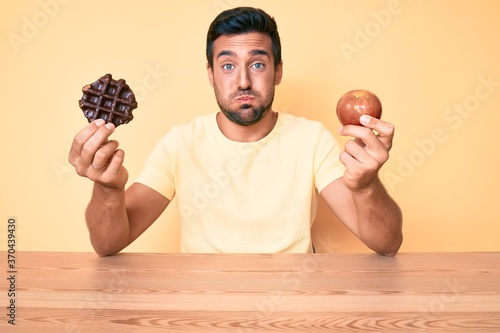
367	152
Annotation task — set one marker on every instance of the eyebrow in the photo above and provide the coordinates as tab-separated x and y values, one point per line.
259	52
233	54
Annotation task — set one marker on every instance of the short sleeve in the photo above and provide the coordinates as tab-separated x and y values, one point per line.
158	172
327	165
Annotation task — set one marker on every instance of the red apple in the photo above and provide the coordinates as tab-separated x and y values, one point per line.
356	103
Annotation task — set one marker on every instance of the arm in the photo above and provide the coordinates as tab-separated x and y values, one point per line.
359	199
115	217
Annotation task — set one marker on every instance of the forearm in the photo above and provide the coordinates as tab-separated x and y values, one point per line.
107	220
379	219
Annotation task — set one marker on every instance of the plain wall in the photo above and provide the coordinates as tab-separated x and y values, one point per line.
434	64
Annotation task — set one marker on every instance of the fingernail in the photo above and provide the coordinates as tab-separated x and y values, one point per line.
99	122
364	119
110	126
340	129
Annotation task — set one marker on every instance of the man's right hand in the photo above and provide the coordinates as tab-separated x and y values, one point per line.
97	158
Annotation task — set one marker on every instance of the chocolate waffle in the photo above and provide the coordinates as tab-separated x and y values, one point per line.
109	99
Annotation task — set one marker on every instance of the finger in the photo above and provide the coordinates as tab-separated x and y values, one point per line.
370	160
359	142
382	128
356	175
104	154
365	138
375	137
81	138
347	160
385	130
94	143
116	162
112	174
357	151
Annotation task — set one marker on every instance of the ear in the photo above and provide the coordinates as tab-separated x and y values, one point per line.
210	74
278	73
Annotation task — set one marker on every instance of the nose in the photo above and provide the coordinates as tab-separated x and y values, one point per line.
244	81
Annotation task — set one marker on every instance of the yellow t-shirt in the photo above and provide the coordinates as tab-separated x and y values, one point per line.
244	197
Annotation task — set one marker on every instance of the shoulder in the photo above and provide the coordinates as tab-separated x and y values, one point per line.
184	137
309	134
197	126
298	124
197	123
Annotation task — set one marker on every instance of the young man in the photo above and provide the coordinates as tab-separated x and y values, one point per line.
247	178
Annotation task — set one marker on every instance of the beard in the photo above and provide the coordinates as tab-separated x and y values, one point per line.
246	114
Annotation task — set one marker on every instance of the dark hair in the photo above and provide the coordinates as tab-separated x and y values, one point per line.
242	20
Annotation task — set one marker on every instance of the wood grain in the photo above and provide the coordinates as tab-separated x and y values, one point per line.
412	292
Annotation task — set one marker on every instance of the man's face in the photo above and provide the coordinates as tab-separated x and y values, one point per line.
243	76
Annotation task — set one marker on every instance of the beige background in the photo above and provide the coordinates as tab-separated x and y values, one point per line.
434	64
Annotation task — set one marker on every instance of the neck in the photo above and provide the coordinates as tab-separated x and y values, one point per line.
250	133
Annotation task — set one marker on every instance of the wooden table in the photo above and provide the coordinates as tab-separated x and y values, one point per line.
80	292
